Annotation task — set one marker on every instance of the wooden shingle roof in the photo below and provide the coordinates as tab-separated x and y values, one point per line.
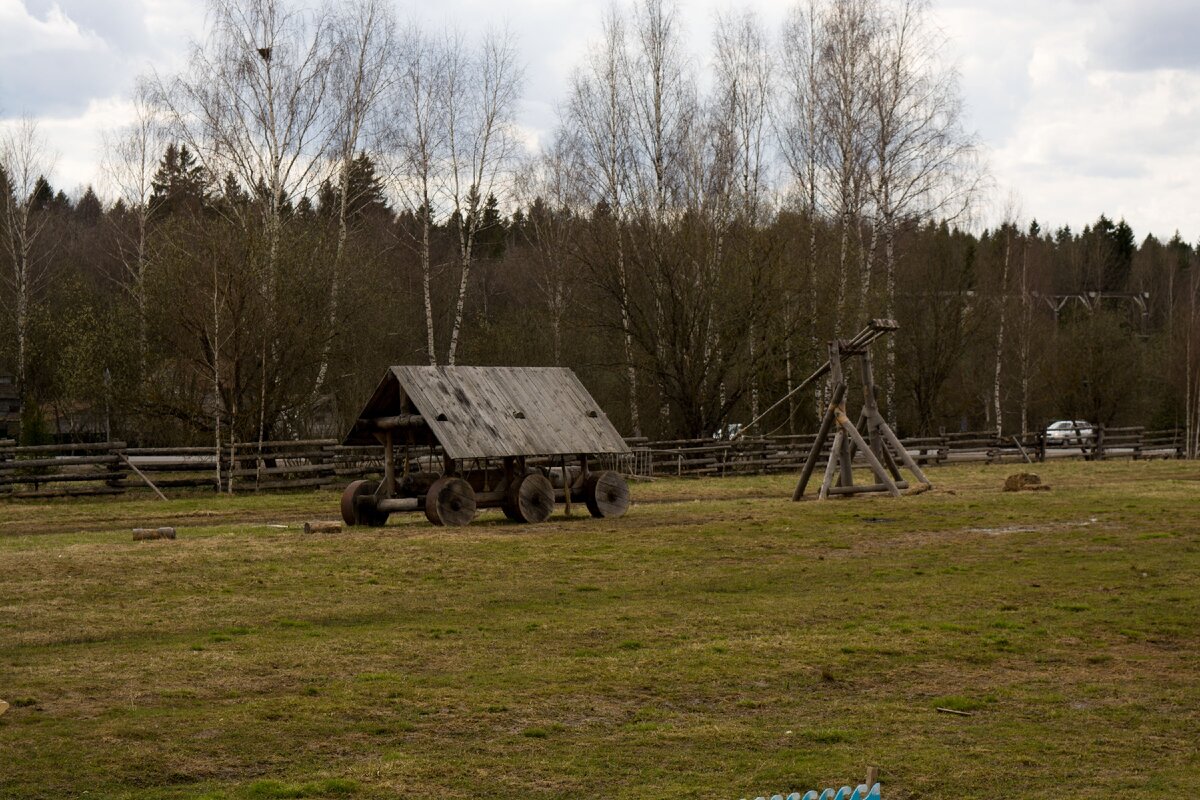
488	412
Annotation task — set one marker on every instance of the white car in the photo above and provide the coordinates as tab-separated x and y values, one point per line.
1069	431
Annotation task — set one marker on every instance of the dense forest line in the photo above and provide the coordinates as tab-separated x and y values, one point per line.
303	206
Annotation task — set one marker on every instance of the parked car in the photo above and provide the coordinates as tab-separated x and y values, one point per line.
1067	432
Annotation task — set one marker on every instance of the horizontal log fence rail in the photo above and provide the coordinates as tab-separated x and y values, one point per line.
111	468
748	456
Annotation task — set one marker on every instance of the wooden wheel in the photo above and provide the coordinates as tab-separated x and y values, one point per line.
606	494
530	500
450	501
357	510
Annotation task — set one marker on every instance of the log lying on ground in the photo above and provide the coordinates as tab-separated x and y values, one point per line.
146	534
322	527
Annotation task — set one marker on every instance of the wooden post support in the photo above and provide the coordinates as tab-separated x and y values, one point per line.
389	465
845	454
1017	442
880	446
870	408
566	482
835	455
142	475
876	467
815	453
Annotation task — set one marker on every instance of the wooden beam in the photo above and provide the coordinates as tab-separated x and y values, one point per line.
815	453
835	455
880	473
142	475
391	423
866	488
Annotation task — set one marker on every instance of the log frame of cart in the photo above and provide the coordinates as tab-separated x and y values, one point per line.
458	439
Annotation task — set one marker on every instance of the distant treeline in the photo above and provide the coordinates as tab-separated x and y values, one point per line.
297	210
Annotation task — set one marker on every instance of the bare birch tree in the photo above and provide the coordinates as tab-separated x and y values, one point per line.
799	128
548	190
598	125
662	96
744	68
1009	233
363	69
252	104
25	158
848	31
482	88
1192	368
416	148
131	159
923	163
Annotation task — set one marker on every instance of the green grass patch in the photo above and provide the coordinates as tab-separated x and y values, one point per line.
277	790
717	641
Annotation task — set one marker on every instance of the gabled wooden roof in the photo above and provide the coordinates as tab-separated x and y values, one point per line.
486	412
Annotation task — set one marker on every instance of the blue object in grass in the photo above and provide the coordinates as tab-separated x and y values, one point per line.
860	792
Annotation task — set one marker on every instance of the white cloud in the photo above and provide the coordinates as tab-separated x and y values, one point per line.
1095	114
1142	35
1087	106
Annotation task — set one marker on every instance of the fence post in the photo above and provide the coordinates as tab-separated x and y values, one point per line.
1098	452
115	470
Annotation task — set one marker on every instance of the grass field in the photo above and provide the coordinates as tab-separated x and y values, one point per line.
717	642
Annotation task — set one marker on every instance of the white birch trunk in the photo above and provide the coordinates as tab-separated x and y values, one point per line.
996	385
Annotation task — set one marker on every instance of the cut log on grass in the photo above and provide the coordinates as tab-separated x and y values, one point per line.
322	527
3	707
147	534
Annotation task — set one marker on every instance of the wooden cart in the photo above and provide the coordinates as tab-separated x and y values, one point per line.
458	439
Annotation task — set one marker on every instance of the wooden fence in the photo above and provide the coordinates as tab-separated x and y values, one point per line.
753	456
109	468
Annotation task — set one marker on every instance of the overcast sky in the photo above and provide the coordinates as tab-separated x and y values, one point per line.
1085	106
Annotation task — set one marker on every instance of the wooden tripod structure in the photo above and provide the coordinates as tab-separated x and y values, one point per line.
880	447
